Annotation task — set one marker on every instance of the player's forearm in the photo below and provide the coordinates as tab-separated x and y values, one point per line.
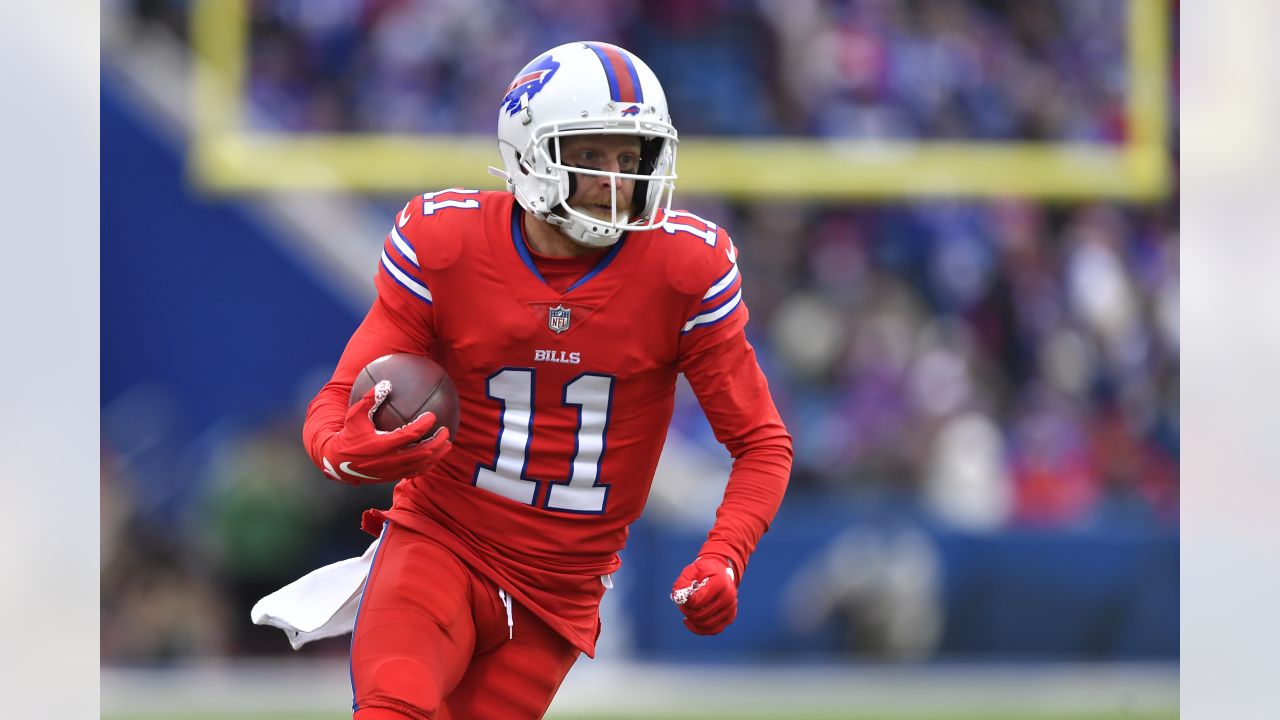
325	416
382	331
327	412
735	396
756	487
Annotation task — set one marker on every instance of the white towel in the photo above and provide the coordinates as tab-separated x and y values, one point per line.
320	604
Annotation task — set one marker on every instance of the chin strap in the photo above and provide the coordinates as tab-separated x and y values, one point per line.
574	228
579	231
506	178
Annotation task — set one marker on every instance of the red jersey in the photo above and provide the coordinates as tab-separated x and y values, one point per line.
565	396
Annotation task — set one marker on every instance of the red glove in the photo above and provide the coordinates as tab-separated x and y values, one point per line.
360	452
707	593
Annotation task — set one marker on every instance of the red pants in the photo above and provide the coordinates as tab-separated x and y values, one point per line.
431	641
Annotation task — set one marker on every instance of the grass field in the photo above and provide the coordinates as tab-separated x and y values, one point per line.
302	690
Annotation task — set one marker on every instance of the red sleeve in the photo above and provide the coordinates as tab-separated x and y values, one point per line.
721	368
734	394
715	312
401	320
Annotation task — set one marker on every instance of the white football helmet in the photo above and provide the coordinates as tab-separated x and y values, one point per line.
586	88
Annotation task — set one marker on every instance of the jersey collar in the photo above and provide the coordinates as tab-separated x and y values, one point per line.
522	249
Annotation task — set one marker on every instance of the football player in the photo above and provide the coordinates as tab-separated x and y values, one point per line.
563	309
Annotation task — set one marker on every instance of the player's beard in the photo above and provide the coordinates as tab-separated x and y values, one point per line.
606	215
602	208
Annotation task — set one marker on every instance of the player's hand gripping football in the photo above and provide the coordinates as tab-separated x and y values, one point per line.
362	453
707	593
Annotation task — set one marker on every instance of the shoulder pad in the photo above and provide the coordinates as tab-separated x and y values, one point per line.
431	224
699	252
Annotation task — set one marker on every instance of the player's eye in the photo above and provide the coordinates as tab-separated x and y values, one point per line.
628	162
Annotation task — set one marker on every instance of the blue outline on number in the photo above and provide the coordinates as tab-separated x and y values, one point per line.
671	225
430	206
540	498
502	429
577	435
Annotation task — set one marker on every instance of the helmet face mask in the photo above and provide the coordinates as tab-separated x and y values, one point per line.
576	90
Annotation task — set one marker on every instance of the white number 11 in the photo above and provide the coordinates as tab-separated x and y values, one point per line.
592	394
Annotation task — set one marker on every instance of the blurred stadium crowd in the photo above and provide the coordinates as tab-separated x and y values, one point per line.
996	364
989	69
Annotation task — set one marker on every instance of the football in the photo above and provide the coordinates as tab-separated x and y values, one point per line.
418	385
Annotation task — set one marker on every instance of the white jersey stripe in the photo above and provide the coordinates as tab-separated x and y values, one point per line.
405	248
714	315
413	285
722	283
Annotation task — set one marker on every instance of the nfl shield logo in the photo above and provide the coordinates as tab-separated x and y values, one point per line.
558	318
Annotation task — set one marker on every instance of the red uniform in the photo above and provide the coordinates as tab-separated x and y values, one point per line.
566	397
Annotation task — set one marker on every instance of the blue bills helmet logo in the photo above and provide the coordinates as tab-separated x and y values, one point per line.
529	82
631	111
558	318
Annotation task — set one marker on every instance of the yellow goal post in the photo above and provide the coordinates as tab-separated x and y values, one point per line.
227	156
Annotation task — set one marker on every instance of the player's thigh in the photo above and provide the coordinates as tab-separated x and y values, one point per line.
518	677
414	633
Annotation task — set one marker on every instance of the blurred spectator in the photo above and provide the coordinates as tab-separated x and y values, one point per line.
161	599
967	483
1000	69
879	591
